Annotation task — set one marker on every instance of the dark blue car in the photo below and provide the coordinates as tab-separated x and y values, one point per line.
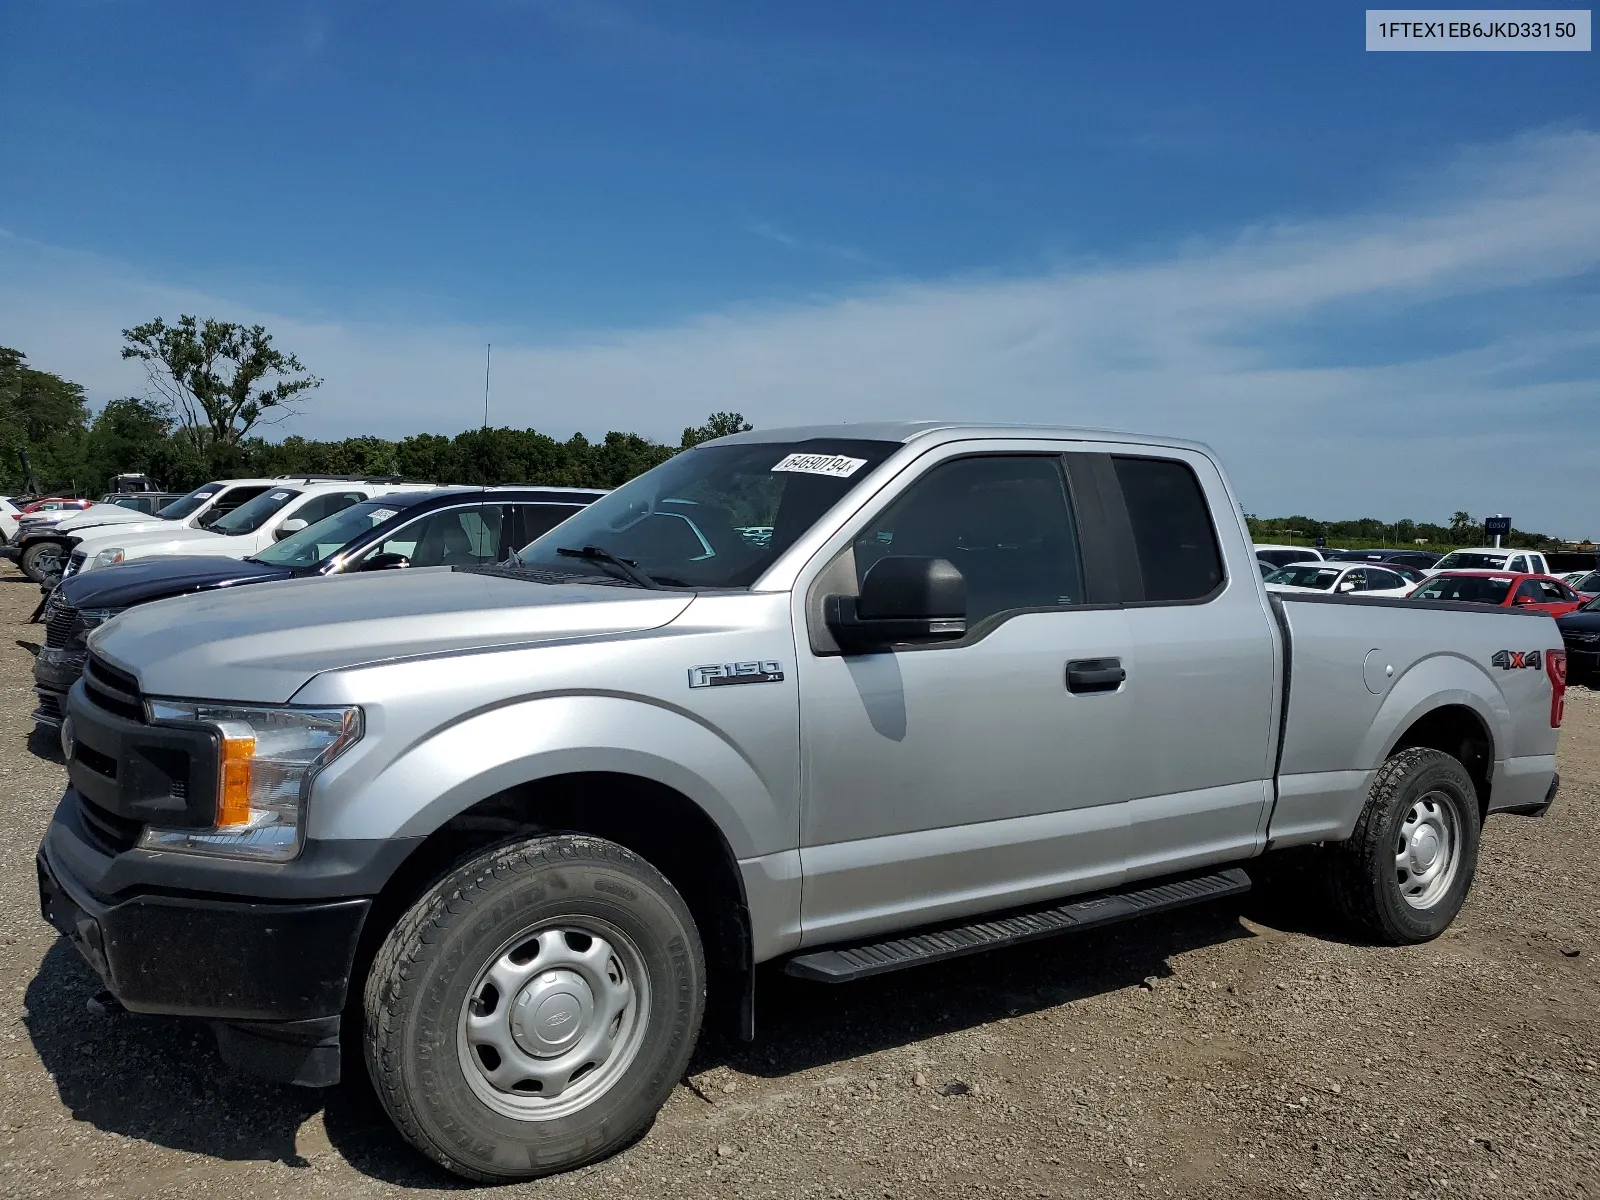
438	527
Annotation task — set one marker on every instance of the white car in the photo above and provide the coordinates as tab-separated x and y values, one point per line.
1366	579
1492	558
10	515
43	550
284	508
1284	555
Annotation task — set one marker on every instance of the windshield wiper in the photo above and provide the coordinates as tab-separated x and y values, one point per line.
627	566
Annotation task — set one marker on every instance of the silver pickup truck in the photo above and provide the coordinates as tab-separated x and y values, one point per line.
846	699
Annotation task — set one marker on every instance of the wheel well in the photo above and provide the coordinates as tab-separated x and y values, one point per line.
656	822
1461	733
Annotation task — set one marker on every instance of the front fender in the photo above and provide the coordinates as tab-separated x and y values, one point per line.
453	768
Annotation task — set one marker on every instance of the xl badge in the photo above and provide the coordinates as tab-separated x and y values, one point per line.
726	674
1512	660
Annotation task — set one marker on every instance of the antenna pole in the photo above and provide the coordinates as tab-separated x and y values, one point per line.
487	348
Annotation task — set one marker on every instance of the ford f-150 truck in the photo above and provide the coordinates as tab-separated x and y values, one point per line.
846	699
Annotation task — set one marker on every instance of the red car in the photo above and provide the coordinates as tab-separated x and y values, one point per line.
56	504
1540	593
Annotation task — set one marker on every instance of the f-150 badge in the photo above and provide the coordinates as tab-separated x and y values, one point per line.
1511	660
725	674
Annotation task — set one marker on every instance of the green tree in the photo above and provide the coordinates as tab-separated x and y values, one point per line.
127	435
718	424
220	378
45	415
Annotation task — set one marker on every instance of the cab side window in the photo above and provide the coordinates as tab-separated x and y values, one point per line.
1172	532
1553	593
1004	521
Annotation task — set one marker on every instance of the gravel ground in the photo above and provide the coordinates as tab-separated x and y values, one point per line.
1244	1049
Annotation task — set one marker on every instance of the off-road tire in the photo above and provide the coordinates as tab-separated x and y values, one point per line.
421	975
34	554
1362	873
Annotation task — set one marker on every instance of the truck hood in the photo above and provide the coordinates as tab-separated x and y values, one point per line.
261	644
106	514
147	579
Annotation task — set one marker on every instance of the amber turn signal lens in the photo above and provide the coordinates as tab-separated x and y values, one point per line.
233	794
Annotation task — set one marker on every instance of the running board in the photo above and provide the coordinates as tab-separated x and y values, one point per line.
848	963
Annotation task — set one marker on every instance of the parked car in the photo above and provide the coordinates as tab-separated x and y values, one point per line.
10	516
514	820
285	507
1538	593
1580	634
433	528
1284	555
1491	558
144	503
43	550
1419	560
1337	577
1266	568
54	504
1588	583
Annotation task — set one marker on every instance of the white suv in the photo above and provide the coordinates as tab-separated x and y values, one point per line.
283	507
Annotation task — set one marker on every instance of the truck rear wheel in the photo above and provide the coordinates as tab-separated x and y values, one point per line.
1406	870
535	1008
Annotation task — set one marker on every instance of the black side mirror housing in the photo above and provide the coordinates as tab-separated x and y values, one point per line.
903	599
386	562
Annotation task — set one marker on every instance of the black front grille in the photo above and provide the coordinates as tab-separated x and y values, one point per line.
111	833
113	690
62	625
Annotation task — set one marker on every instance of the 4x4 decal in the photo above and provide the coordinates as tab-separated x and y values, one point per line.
1512	660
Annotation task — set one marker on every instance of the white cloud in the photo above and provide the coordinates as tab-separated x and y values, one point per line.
1193	342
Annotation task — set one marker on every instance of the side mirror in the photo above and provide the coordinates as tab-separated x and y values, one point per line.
292	525
1523	600
1349	585
386	562
903	599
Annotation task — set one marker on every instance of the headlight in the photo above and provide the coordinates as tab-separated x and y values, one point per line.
110	556
269	758
90	617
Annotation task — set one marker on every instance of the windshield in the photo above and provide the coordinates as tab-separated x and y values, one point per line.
1306	576
714	516
253	514
328	536
1463	560
1589	583
1475	589
179	509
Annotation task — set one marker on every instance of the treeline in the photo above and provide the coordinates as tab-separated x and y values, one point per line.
1462	530
75	452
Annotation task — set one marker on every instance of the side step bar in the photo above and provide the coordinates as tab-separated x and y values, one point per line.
844	964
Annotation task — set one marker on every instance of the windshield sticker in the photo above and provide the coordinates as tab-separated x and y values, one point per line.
205	495
835	465
280	495
382	514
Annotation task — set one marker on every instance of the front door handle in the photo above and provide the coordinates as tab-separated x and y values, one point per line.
1095	675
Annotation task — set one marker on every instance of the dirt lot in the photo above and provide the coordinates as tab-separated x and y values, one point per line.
1244	1050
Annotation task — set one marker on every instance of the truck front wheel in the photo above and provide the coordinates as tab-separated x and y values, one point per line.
41	559
535	1008
1406	870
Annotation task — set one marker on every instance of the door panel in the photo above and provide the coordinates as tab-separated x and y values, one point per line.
1202	676
948	781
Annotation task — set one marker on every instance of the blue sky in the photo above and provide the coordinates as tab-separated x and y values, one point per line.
1226	222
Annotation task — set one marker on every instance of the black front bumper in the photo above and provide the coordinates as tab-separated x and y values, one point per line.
271	975
54	673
